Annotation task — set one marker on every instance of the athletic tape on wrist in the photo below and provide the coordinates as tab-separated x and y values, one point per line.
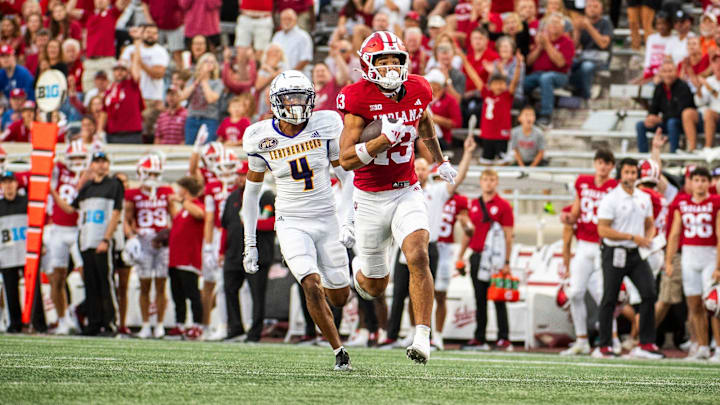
362	153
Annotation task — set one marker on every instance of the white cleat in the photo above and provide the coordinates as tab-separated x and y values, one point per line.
617	346
63	328
576	349
358	339
145	332
702	353
219	334
418	353
716	357
159	332
650	352
356	270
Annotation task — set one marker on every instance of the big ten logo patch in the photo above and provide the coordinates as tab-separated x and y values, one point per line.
12	235
94	217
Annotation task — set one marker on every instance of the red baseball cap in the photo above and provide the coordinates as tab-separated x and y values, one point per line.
28	105
6	50
17	93
413	15
689	169
244	167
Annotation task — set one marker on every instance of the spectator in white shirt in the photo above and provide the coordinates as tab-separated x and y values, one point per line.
656	48
708	94
677	48
296	43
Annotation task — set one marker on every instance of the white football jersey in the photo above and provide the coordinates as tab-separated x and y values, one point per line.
300	164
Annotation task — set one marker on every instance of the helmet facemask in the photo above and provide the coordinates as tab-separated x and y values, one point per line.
150	178
294	106
77	163
394	74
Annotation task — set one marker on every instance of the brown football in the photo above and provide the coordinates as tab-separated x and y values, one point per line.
373	129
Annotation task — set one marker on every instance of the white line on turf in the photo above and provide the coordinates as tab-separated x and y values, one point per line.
654	365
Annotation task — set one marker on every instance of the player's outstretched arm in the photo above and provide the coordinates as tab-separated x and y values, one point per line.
469	148
249	215
354	155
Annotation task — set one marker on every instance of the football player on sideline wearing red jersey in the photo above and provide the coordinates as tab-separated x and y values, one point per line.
696	217
147	220
589	190
216	194
63	233
388	199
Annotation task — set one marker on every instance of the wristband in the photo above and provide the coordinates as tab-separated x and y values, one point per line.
362	153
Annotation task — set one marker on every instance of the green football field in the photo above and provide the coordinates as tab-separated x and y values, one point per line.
51	370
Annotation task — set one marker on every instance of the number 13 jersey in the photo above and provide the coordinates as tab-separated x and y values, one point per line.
395	167
300	164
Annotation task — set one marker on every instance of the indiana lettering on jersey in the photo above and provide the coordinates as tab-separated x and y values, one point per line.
592	193
685	207
151	203
69	178
403	116
295	149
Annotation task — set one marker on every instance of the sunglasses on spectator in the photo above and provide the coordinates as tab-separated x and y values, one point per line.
444	48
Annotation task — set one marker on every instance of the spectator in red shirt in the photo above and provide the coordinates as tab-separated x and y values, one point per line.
32	54
550	59
61	26
124	104
493	221
445	109
476	67
695	65
231	129
12	113
496	120
100	39
33	24
413	44
351	15
326	88
170	125
239	72
168	16
527	10
19	131
202	17
303	9
482	16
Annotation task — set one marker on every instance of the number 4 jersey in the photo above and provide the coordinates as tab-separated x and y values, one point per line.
300	164
698	221
590	196
393	168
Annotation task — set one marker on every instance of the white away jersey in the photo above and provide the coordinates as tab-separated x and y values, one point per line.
300	164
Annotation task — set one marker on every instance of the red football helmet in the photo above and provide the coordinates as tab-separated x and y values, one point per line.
712	301
210	153
226	166
562	299
76	156
649	172
150	170
383	43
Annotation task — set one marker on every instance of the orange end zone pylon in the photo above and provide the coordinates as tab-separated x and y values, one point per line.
44	137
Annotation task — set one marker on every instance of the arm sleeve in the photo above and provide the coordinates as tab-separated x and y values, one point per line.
250	210
209	203
334	154
346	180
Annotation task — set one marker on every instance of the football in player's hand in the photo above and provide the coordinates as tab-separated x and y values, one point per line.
373	130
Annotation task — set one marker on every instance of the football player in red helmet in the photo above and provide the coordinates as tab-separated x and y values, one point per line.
147	214
63	231
389	202
205	153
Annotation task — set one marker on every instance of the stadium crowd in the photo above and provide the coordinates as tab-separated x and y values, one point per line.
167	79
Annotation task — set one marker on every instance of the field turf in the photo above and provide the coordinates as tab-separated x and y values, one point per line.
51	370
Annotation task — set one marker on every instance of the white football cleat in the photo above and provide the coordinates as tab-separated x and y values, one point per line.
220	333
63	327
702	353
647	351
616	346
715	357
576	349
419	353
358	339
159	332
145	332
